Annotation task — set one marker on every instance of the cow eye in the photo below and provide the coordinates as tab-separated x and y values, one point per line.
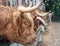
26	23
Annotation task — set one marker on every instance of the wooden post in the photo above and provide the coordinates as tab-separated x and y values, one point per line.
34	2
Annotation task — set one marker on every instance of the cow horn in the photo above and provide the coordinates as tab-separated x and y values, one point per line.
42	14
24	9
43	22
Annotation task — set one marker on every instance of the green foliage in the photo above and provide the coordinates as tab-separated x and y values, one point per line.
53	5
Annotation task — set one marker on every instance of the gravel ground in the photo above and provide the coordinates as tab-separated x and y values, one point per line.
52	38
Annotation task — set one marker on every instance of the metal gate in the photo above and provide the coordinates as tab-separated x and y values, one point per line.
14	3
18	2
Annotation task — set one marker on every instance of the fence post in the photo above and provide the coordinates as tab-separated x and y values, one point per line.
11	3
19	2
37	1
29	1
42	7
34	2
15	3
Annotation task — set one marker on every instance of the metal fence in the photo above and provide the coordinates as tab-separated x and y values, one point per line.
19	2
34	2
14	3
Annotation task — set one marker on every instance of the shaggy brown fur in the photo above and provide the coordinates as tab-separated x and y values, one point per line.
15	26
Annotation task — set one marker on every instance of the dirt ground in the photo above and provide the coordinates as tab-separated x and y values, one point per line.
52	38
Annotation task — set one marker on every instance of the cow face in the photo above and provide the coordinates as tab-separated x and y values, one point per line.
26	28
21	28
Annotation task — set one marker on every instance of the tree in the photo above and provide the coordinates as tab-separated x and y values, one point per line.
53	5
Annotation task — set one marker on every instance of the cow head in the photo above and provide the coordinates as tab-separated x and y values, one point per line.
27	33
21	28
26	26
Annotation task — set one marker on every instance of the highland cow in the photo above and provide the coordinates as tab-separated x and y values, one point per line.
16	24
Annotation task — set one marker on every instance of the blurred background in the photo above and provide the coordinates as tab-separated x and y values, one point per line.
54	6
